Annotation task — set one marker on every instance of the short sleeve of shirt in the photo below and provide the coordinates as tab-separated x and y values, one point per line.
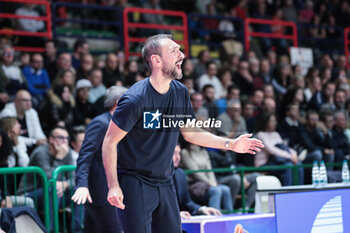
127	113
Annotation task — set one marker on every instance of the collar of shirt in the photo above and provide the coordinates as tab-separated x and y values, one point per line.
291	122
37	72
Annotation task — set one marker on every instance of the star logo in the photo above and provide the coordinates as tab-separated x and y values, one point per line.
151	120
156	115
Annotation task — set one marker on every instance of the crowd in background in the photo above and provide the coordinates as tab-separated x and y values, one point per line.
47	100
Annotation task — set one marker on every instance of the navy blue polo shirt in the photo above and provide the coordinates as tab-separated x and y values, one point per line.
152	122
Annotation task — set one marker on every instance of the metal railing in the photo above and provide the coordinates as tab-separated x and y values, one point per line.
143	25
249	34
195	26
93	34
57	176
44	182
46	19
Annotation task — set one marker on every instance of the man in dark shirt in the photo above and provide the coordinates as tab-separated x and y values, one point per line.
187	206
143	189
340	142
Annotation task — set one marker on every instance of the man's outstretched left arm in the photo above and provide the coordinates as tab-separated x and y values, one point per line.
242	144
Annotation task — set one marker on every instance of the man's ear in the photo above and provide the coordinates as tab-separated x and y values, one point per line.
155	59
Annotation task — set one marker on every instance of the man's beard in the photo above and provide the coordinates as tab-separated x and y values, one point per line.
171	72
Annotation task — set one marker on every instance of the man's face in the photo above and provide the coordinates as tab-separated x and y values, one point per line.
177	156
312	120
37	62
234	94
23	101
112	62
64	61
293	112
329	121
234	110
212	70
340	98
78	141
340	121
83	93
243	67
87	63
7	56
59	137
96	78
50	48
197	101
172	59
209	94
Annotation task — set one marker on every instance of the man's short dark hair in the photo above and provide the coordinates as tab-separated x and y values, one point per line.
206	87
152	47
57	127
79	43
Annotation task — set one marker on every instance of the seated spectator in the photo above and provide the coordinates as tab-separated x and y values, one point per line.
37	79
243	79
203	185
340	142
111	74
306	14
210	78
225	77
233	93
63	63
310	137
189	84
197	105
200	66
208	94
254	69
188	69
187	206
65	78
294	96
275	151
225	159
340	99
97	89
48	157
232	122
86	65
50	57
27	117
57	109
323	99
317	31
248	115
77	139
81	47
84	111
19	157
11	77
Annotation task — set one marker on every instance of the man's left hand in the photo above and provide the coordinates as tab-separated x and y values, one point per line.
245	144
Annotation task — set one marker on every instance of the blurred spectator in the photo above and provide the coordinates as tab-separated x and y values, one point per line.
323	99
307	13
248	115
340	142
254	69
243	79
232	122
241	9
186	204
233	93
188	69
210	78
200	66
19	157
24	59
76	141
294	96
132	74
48	157
257	100
26	115
189	84
225	77
153	18
225	159
86	65
6	148
57	108
269	105
340	99
288	126
209	101
66	78
64	62
84	111
290	12
37	79
50	57
203	185
310	137
197	104
111	74
97	89
314	86
81	47
317	31
11	78
275	151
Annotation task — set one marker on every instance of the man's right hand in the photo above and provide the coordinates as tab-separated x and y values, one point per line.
81	195
115	197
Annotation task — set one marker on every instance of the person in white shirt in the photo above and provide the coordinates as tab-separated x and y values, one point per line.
26	115
210	78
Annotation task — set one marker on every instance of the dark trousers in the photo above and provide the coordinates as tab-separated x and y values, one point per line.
101	219
148	208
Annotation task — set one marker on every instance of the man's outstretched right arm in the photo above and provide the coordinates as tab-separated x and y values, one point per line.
109	155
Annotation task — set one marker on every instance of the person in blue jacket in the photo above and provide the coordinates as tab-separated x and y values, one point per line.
91	183
144	130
